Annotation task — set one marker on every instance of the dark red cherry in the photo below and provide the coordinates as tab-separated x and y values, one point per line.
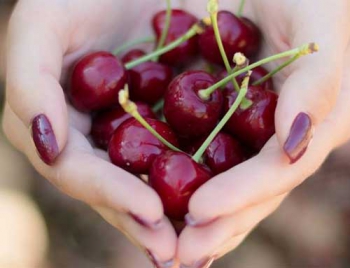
223	153
106	122
181	22
237	35
133	148
255	125
185	111
149	80
133	54
175	177
96	81
258	73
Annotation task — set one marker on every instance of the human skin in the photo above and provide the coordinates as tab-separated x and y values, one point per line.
46	37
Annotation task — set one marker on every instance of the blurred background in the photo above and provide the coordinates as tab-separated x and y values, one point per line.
42	228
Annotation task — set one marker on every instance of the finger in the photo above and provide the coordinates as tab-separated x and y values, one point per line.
34	60
86	177
311	90
269	173
196	244
160	246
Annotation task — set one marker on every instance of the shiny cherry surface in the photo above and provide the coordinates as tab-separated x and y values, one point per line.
96	81
255	125
237	35
133	148
181	22
185	111
175	177
106	122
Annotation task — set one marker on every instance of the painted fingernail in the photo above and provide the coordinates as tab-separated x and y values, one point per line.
146	223
299	137
159	264
204	263
44	139
190	221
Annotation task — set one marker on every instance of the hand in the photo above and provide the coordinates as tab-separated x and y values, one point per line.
45	38
229	206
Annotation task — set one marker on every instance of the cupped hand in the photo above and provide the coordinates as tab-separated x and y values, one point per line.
312	118
45	39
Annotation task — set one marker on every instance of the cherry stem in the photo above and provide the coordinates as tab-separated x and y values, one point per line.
131	108
241	95
197	28
133	43
212	8
278	69
241	8
302	50
165	29
158	106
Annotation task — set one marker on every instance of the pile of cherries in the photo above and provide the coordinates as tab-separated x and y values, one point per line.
165	93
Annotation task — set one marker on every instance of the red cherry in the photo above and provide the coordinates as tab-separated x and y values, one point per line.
133	148
106	122
223	153
149	80
237	34
181	22
255	125
133	54
175	177
185	111
96	81
258	73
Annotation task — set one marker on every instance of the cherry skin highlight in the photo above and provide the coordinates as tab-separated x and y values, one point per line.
181	22
175	177
106	122
237	34
96	81
185	111
255	125
133	148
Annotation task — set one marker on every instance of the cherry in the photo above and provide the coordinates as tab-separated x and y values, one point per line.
175	177
237	34
255	125
185	111
106	122
258	73
149	80
96	81
181	22
133	55
133	148
223	153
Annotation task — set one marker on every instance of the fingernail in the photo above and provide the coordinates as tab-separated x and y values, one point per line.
158	264
44	139
299	137
190	221
204	263
146	223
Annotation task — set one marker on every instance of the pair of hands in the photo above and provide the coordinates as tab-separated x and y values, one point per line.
46	37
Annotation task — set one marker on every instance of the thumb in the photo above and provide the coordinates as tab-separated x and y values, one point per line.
311	90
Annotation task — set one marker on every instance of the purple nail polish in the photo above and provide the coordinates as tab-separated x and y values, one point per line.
145	223
44	139
299	137
190	221
158	264
204	263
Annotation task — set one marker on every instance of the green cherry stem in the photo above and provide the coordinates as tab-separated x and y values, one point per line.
165	29
241	95
302	50
212	8
131	108
241	8
158	106
278	69
197	28
127	45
